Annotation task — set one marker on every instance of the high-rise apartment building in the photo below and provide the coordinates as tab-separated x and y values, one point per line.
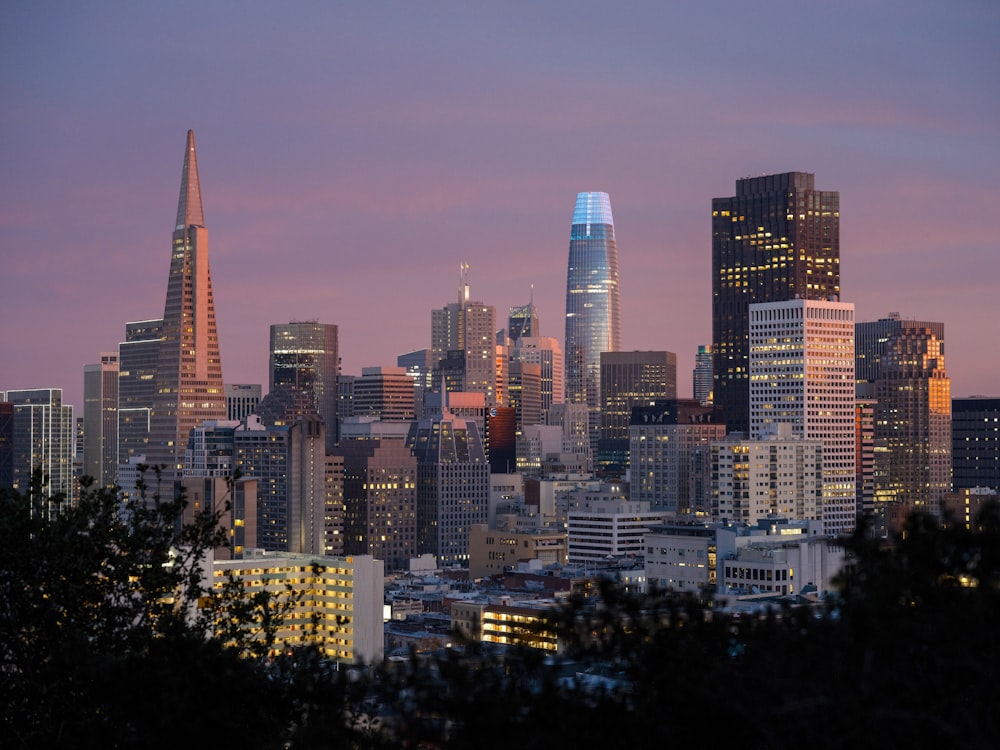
100	420
777	239
802	374
593	307
304	359
189	384
912	422
975	442
43	439
629	379
138	356
702	375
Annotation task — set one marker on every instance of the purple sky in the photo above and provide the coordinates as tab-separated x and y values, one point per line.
353	154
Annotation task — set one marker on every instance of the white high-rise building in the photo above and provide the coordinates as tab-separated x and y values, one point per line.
802	373
545	352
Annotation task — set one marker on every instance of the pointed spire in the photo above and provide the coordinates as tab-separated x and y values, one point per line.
189	210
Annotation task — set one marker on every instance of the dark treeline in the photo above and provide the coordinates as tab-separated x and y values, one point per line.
104	617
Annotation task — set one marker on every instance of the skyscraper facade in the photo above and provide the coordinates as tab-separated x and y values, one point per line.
593	306
629	379
912	422
802	374
189	384
304	358
100	420
871	339
384	392
138	356
702	375
975	442
522	321
43	439
777	239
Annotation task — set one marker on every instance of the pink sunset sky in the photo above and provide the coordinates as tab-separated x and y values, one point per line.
353	155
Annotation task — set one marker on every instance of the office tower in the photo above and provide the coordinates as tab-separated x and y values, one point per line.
500	442
210	449
419	365
629	379
189	385
912	422
802	374
453	484
525	393
776	474
777	239
870	341
522	322
501	374
670	455
380	500
864	455
593	317
242	399
602	529
6	444
702	376
100	420
384	392
304	359
463	344
138	356
43	432
235	506
545	352
574	420
975	442
345	397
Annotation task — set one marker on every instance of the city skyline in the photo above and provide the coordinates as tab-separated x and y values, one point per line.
361	155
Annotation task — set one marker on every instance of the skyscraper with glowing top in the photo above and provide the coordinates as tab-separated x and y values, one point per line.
592	302
189	386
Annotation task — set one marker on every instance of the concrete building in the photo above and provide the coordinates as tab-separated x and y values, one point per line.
336	601
386	393
671	456
242	399
493	550
545	352
236	506
802	374
777	475
100	420
608	528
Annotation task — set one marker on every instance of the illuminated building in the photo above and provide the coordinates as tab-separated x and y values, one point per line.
189	385
100	420
777	239
593	307
494	550
629	379
912	422
702	375
42	438
802	374
242	399
522	322
870	341
778	474
601	529
138	356
975	446
670	455
384	392
336	602
453	484
545	352
304	359
380	500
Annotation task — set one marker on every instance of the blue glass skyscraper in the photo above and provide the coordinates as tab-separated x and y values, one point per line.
592	301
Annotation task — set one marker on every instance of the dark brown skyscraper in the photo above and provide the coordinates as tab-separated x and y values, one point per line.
189	387
777	239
